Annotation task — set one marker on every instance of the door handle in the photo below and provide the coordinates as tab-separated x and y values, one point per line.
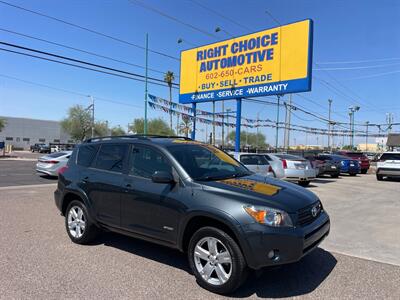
128	185
85	179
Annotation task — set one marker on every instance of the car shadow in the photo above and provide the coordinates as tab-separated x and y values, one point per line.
48	177
323	180
291	280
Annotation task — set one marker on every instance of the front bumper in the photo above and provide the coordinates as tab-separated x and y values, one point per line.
395	172
289	244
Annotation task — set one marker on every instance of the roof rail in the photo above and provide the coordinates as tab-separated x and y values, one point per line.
138	136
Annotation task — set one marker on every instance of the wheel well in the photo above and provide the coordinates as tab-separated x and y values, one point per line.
198	222
67	200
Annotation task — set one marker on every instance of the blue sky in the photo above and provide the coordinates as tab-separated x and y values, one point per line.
357	41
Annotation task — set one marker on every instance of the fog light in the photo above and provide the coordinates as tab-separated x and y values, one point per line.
271	254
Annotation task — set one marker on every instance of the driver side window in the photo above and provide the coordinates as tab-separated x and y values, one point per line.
146	160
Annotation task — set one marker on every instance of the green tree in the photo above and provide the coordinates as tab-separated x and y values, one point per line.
154	126
185	127
249	139
78	123
349	147
118	130
2	124
169	77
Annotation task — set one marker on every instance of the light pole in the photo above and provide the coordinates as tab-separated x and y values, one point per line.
366	136
145	85
277	124
352	109
330	129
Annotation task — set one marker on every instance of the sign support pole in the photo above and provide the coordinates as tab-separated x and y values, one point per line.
238	123
194	121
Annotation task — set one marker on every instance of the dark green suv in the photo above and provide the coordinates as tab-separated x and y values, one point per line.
190	196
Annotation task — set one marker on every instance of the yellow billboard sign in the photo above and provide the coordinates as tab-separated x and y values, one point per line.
269	62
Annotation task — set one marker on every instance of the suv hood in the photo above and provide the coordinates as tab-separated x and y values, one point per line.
262	191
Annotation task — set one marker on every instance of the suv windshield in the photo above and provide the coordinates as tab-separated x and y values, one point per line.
205	162
390	156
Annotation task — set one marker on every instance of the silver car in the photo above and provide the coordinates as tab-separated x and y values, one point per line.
255	162
50	164
295	168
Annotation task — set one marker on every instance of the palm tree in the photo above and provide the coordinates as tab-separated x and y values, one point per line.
169	78
186	126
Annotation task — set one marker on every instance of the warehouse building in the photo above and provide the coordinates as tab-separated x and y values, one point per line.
24	132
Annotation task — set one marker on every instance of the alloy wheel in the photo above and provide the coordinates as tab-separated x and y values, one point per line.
213	261
76	222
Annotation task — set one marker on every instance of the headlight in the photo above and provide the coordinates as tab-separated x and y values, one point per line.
269	216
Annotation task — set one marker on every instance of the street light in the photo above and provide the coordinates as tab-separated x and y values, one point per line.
352	110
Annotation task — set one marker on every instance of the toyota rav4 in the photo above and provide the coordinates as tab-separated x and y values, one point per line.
190	196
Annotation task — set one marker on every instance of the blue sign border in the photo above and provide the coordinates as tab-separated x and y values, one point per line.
292	86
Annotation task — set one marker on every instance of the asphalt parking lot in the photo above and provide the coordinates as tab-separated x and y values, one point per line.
21	172
360	258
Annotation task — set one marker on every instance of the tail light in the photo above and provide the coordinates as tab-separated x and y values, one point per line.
49	161
270	169
62	170
284	163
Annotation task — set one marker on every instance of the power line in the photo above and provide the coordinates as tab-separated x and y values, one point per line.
80	50
88	30
81	62
374	75
356	68
78	66
69	91
222	15
357	61
148	7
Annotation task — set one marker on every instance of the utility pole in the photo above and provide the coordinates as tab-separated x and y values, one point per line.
177	124
366	136
223	124
92	115
330	124
351	130
389	121
288	112
145	85
228	110
213	118
258	122
277	124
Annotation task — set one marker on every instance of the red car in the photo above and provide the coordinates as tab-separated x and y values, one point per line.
362	159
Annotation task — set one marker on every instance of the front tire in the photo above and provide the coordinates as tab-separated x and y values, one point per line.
216	260
379	177
364	171
304	183
79	228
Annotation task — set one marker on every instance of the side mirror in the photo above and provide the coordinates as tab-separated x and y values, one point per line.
162	177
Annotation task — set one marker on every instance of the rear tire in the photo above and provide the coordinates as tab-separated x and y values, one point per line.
79	227
304	183
353	174
379	177
334	175
210	273
364	171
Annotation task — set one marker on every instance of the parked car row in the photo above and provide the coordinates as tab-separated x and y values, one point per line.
304	169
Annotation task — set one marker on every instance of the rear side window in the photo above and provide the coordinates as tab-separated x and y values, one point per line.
390	156
86	155
111	157
146	160
253	160
289	157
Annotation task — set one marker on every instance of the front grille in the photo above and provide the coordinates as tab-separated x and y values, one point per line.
305	215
